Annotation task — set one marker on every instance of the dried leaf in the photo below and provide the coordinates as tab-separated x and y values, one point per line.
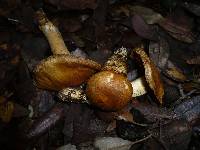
188	87
189	110
111	126
159	53
67	24
19	111
130	131
147	113
120	10
178	32
126	116
152	75
193	8
6	110
123	114
67	147
176	74
73	4
149	15
194	61
174	134
111	143
142	29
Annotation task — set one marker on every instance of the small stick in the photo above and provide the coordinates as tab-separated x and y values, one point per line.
144	139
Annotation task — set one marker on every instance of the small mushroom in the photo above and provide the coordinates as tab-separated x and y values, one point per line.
60	70
110	89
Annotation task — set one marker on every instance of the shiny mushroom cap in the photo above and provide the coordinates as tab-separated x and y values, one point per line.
109	91
60	71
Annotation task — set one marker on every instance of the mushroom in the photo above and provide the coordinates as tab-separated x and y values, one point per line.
110	89
62	69
79	95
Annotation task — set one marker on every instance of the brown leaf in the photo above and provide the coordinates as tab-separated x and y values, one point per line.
125	115
73	4
6	110
188	87
177	31
142	29
194	61
149	15
111	126
67	24
176	74
159	53
152	75
193	8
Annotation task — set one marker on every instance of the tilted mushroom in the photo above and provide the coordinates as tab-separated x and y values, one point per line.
60	70
110	88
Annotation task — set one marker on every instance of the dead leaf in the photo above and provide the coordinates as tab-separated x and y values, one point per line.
189	110
112	143
111	126
193	8
73	4
6	110
188	87
178	32
149	15
120	10
194	61
142	28
152	74
159	53
149	113
196	73
67	24
126	116
176	74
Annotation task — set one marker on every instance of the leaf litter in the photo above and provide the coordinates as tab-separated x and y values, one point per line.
169	61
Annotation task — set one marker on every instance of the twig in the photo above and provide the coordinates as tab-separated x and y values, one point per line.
144	139
140	124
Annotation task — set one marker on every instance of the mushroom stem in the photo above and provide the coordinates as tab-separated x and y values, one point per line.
139	87
52	34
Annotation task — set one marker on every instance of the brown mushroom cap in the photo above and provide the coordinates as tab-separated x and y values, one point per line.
60	71
109	91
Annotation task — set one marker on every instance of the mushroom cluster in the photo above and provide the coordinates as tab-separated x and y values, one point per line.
108	89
